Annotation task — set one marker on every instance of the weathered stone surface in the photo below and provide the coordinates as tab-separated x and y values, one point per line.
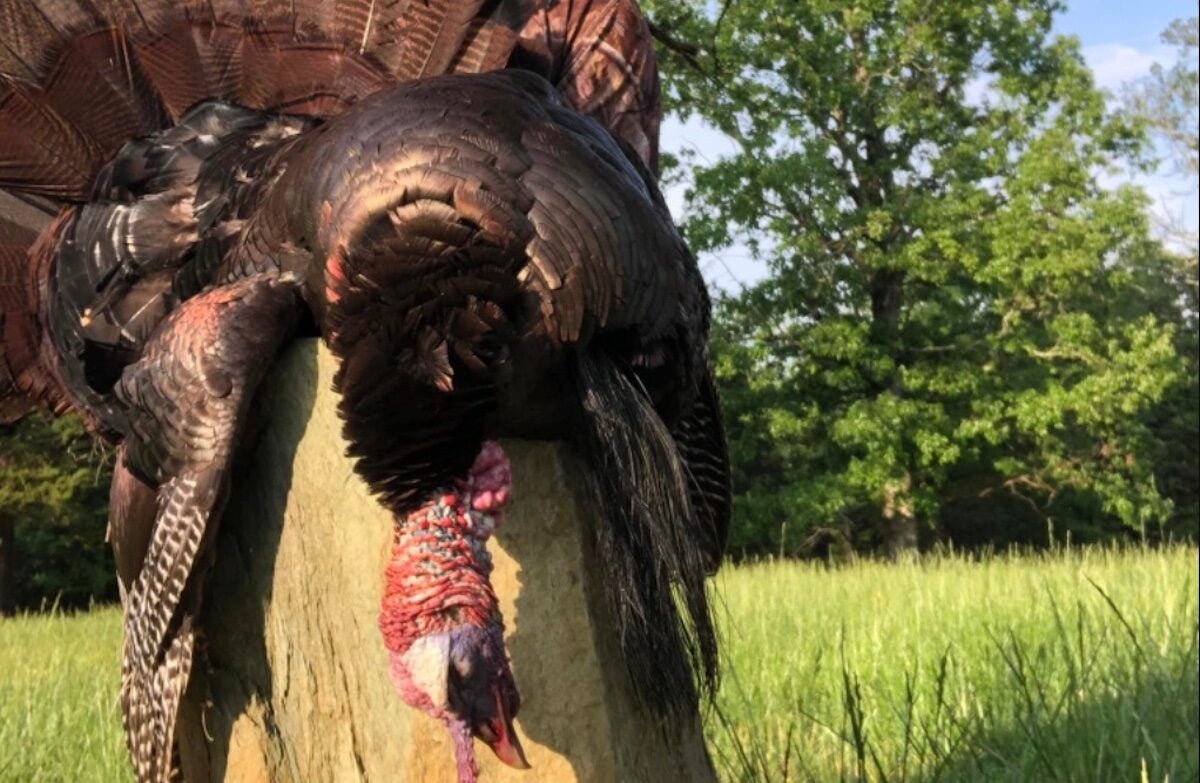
295	687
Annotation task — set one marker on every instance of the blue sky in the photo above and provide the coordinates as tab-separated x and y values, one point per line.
1120	41
1133	24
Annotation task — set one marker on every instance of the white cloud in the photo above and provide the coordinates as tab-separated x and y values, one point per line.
1115	64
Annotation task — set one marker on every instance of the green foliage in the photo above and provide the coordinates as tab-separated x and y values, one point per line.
1168	98
54	489
1167	102
955	307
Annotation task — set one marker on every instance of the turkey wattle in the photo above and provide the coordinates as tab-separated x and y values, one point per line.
487	254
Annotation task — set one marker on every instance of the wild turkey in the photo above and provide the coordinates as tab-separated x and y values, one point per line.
459	198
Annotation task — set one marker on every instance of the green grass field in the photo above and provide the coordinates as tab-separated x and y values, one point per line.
1079	666
1072	667
59	721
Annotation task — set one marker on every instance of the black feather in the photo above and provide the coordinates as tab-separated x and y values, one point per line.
653	570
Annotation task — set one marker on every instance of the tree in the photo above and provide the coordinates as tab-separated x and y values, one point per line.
1168	103
53	504
954	306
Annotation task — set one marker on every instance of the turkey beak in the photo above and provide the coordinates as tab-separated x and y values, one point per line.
501	736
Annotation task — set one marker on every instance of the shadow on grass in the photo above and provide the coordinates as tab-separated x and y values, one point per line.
1145	731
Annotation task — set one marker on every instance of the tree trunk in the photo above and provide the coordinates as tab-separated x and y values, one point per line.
8	563
900	526
902	537
292	684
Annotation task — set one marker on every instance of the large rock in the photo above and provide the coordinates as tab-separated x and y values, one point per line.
294	685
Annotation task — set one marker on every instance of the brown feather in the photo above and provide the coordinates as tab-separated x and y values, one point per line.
98	86
15	336
600	55
132	505
317	79
85	78
431	34
25	34
40	152
188	396
30	362
192	62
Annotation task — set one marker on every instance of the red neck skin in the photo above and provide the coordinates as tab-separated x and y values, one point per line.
437	578
437	592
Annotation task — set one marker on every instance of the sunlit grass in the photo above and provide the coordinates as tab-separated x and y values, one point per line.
59	721
1076	666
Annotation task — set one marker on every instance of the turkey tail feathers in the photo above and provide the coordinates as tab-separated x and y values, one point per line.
652	568
15	317
28	369
78	78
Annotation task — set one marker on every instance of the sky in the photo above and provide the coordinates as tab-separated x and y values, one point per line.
1120	40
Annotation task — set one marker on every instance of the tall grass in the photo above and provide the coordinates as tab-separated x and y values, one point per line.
59	675
1074	666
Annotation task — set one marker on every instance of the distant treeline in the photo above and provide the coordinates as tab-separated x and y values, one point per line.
53	510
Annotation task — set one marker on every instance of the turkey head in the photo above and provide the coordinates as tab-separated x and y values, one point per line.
439	617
